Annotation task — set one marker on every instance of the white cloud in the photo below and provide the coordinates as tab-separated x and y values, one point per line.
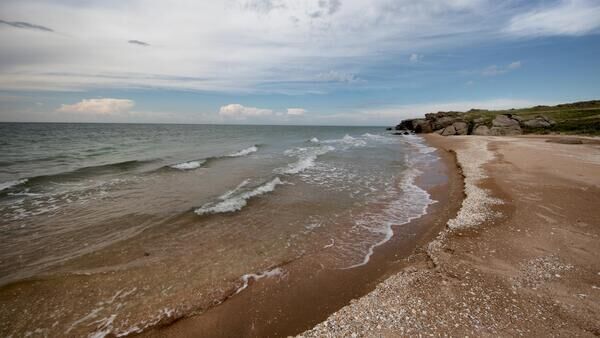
514	65
496	70
231	45
104	106
414	58
296	111
238	111
568	17
336	76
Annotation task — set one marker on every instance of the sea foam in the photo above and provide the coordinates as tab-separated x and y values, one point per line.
6	185
188	165
244	152
256	276
237	202
306	158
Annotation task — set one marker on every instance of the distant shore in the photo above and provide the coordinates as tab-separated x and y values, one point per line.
519	258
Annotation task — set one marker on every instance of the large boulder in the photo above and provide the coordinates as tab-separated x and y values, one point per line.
443	122
462	128
448	131
421	126
481	130
503	125
540	121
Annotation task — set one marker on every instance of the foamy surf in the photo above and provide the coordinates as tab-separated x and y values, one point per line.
188	165
256	276
306	158
412	204
244	152
236	203
10	184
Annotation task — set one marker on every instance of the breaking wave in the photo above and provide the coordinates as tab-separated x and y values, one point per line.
10	184
188	165
230	201
306	158
244	152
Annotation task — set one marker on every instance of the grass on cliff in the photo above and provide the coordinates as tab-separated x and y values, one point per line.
581	118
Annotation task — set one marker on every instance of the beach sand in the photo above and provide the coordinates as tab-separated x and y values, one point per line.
519	258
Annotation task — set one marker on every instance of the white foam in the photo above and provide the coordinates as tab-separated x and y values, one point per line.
244	152
236	203
256	276
306	158
6	185
234	190
411	204
314	140
188	165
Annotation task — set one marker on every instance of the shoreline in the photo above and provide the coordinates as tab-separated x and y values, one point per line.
306	294
519	258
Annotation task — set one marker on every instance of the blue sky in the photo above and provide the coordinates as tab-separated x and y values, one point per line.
332	62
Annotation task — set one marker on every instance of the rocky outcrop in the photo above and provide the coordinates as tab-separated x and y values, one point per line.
504	125
454	123
481	130
540	121
462	128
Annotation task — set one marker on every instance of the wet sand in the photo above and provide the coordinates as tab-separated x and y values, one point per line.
520	258
307	293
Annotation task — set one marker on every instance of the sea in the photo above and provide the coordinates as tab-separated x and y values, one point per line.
111	229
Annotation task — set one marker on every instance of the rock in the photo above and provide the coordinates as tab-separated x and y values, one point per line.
503	125
389	128
461	128
540	121
448	131
481	130
439	131
443	122
504	121
421	126
516	117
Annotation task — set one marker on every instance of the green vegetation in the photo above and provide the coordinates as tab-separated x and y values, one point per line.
581	118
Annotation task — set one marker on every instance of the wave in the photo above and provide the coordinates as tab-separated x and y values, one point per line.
411	204
233	202
195	164
244	152
347	141
306	158
188	165
256	276
10	184
81	173
314	140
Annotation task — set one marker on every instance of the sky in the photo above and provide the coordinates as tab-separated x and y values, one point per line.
305	62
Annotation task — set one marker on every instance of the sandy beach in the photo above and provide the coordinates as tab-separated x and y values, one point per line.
518	259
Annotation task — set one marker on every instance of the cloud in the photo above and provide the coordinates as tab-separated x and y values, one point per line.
567	17
246	45
26	25
414	58
264	6
104	106
495	70
238	111
296	111
138	42
335	76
